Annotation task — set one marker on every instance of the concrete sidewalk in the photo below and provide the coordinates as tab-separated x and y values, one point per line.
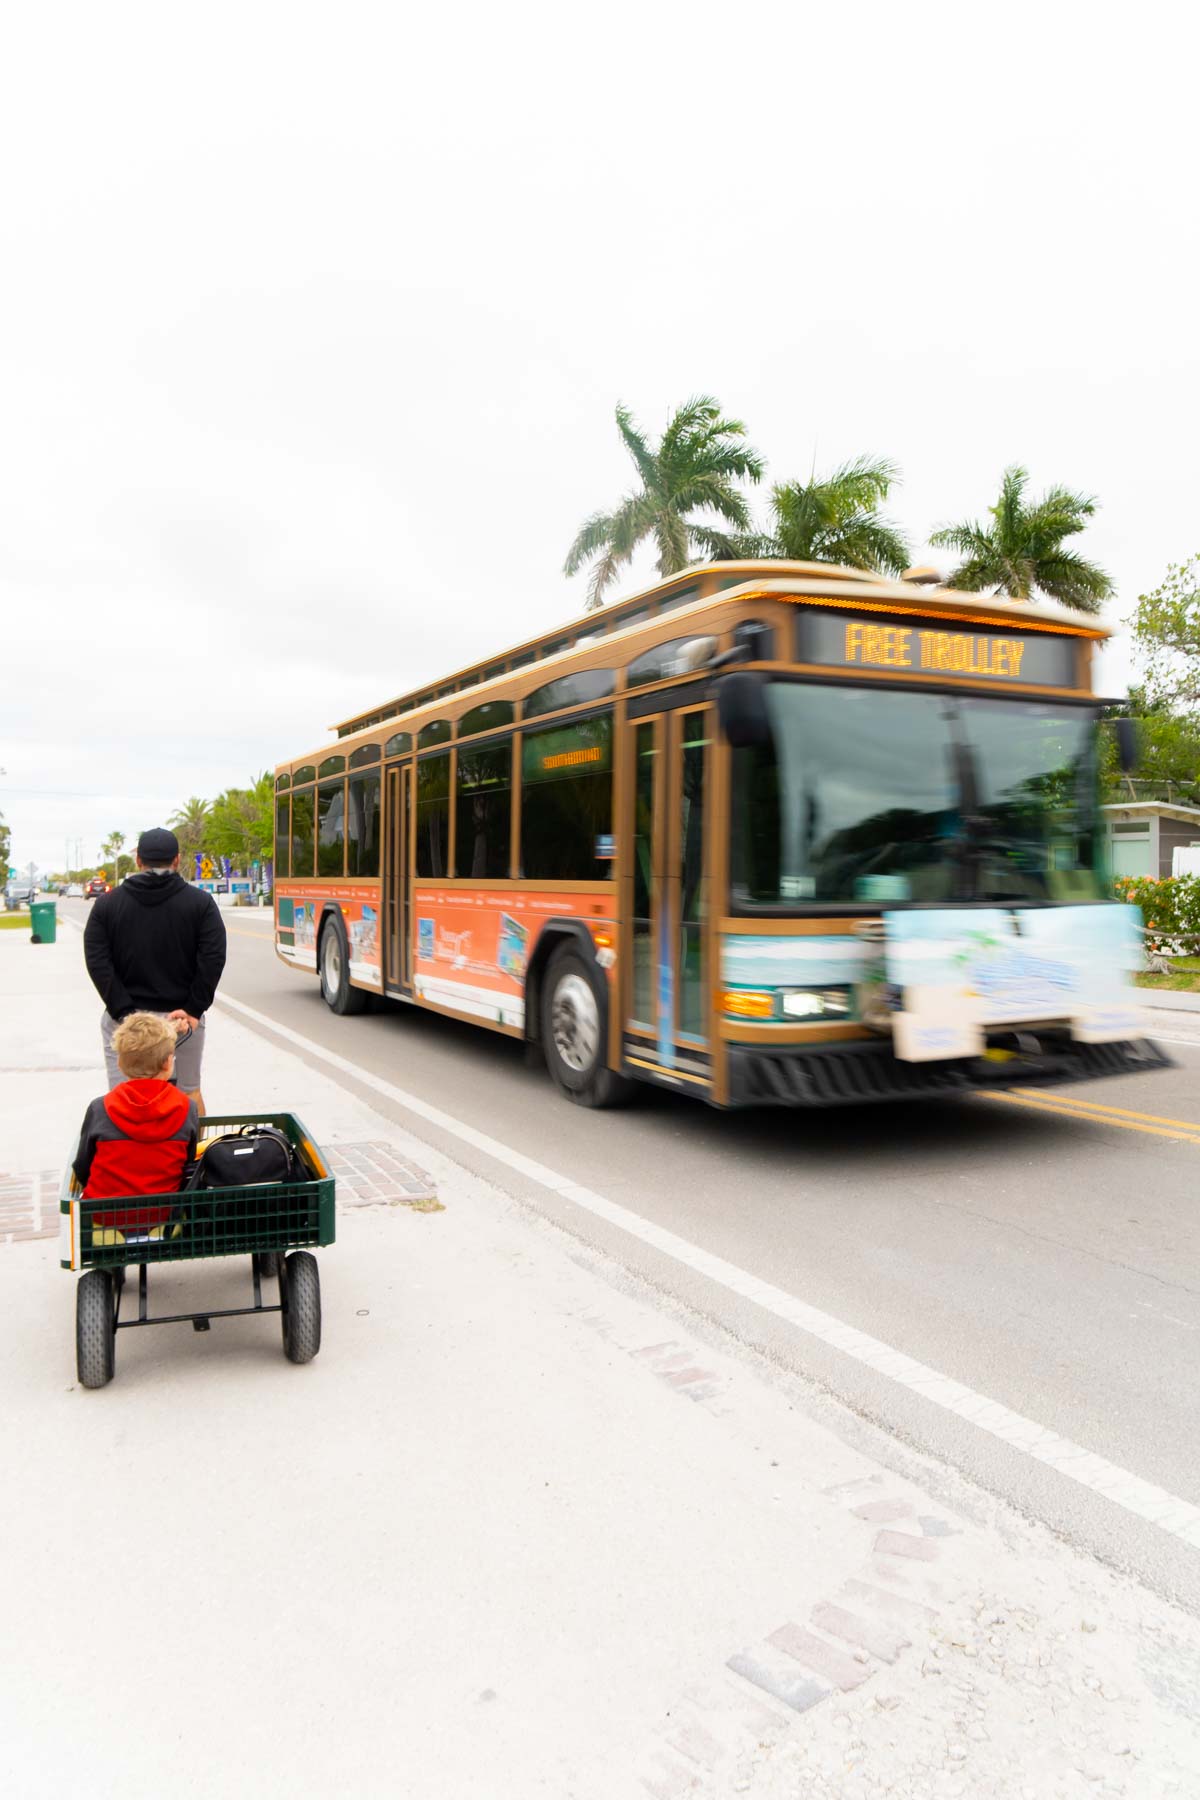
518	1531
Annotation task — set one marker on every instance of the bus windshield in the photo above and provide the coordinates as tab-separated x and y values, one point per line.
873	796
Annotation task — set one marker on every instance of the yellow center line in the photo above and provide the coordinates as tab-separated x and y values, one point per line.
1182	1133
1098	1106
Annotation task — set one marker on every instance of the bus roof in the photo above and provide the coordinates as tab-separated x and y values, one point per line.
725	581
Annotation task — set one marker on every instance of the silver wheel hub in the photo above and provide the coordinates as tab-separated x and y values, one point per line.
331	962
575	1023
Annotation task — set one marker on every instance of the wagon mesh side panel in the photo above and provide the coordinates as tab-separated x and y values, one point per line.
229	1221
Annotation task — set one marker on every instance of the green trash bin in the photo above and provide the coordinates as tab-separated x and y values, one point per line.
43	915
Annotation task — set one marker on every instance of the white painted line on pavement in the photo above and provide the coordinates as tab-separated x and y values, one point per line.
1142	1498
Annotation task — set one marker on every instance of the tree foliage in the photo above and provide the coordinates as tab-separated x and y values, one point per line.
5	845
693	471
1166	634
188	824
835	520
112	858
1021	553
240	823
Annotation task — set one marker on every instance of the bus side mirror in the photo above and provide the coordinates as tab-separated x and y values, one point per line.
742	710
1127	745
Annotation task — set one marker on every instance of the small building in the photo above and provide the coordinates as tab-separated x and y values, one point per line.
1142	835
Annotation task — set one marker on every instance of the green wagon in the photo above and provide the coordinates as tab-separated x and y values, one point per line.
276	1224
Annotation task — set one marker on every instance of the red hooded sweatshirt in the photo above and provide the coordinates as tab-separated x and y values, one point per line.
138	1139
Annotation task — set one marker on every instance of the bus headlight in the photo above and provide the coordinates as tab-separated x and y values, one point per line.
816	1003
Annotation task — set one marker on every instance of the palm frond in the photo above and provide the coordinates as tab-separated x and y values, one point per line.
978	575
707	489
592	535
862	482
725	546
969	538
638	448
1074	581
671	535
868	542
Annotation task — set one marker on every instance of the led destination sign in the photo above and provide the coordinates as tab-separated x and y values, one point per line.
928	647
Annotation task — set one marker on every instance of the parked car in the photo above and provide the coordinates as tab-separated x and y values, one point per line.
97	885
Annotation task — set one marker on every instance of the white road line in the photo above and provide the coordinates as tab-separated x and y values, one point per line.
1142	1498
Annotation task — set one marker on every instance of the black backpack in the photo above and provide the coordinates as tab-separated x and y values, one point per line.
245	1158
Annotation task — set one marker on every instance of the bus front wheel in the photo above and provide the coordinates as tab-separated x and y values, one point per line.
336	990
575	1031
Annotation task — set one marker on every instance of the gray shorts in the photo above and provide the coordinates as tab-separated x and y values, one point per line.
188	1057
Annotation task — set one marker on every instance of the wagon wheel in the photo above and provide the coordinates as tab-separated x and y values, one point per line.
300	1293
95	1329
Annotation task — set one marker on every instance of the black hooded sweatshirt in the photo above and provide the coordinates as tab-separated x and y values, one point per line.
155	944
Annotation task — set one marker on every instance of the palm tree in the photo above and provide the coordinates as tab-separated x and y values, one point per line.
1022	553
834	520
112	846
189	824
698	460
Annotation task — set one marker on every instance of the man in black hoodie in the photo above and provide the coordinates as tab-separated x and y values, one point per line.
157	945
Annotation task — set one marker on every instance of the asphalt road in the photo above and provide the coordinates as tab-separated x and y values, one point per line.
1047	1259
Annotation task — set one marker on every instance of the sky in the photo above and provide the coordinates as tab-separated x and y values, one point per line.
313	321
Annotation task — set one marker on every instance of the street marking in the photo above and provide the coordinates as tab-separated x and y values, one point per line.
1143	1499
1067	1109
1124	1112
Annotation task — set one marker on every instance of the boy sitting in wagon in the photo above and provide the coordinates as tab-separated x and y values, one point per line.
140	1137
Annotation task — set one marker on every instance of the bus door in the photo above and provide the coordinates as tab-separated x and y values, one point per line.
397	951
665	995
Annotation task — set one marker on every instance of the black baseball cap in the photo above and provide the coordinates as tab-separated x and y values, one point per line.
158	846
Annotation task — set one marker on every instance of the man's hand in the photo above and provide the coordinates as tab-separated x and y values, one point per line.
182	1021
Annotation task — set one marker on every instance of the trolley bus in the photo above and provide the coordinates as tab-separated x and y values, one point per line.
768	833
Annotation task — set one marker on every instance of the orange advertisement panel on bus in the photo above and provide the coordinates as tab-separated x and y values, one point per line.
472	949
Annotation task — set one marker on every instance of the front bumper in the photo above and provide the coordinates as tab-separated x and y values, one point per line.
855	1074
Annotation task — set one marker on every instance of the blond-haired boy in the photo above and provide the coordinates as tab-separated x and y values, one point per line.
140	1137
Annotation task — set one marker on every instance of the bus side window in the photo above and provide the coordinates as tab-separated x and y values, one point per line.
362	826
566	801
484	807
331	828
759	637
433	816
283	833
303	835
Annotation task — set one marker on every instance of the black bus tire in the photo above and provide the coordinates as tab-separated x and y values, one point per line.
95	1329
333	962
302	1306
575	1031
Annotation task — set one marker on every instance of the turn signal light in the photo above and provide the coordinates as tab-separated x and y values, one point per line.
744	1003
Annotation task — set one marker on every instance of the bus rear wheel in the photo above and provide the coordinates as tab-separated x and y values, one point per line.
336	990
575	1031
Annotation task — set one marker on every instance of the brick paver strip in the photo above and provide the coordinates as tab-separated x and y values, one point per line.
372	1174
819	1657
883	1512
368	1174
852	1628
28	1206
903	1543
896	1606
693	1740
796	1691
